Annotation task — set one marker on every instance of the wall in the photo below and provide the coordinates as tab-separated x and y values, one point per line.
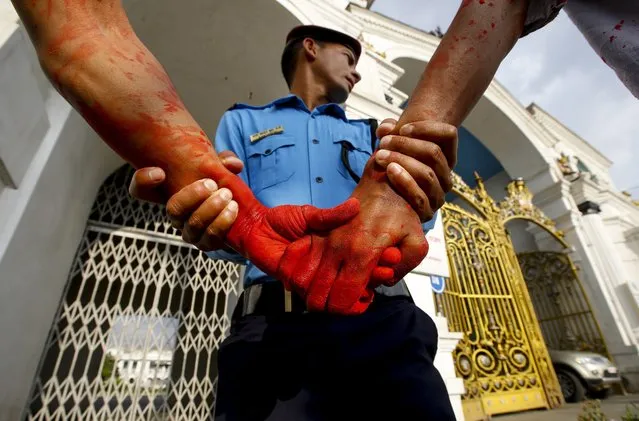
58	166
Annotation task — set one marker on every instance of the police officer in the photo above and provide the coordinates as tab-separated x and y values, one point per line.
281	362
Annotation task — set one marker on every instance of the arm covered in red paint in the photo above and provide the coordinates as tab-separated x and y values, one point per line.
481	35
94	59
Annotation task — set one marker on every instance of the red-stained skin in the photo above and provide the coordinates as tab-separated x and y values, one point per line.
148	125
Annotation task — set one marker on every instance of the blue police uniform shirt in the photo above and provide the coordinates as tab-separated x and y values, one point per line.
292	156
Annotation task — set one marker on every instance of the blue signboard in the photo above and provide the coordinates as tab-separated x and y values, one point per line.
438	283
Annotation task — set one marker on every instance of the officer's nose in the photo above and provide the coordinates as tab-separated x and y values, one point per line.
356	76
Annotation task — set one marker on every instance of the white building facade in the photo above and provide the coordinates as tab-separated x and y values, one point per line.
76	252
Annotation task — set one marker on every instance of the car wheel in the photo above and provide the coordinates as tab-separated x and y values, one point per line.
571	386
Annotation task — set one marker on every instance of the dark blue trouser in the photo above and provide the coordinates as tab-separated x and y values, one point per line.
314	366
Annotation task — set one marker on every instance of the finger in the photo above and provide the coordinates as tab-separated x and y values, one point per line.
299	264
414	249
381	276
420	197
183	203
384	273
145	185
444	135
426	152
362	304
386	127
231	162
351	281
215	234
328	219
206	214
390	257
321	284
420	174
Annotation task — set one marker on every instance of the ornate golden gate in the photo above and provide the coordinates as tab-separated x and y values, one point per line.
502	358
562	308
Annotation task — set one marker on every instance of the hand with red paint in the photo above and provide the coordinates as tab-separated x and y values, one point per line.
347	257
205	213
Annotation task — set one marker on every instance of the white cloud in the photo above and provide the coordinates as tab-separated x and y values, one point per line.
555	68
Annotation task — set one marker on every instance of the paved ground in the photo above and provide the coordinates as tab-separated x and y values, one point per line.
613	407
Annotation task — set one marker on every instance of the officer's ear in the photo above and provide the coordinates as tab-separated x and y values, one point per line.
311	48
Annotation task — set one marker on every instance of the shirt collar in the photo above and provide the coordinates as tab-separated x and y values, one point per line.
294	101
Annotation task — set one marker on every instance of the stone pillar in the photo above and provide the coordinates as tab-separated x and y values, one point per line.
574	209
610	270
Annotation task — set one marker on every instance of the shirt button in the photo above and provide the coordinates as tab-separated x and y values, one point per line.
268	152
315	141
319	180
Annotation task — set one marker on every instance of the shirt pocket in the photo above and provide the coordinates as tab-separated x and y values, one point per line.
355	155
270	161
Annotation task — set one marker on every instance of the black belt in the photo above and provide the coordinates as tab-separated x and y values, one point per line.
271	298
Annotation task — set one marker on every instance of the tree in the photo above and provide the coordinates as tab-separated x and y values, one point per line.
109	368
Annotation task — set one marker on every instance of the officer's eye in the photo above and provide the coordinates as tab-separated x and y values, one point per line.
351	59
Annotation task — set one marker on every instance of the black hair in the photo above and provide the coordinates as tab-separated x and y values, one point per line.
289	58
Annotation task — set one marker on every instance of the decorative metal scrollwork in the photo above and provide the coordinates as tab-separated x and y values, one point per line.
502	349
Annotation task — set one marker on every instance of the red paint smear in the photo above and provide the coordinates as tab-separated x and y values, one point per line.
79	54
612	38
492	25
471	22
172	102
619	25
482	1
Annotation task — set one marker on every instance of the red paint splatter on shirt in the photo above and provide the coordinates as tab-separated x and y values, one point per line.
612	38
619	25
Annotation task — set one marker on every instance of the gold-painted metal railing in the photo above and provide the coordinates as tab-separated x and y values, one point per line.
562	308
502	357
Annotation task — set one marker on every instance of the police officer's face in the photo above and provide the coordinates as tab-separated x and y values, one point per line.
335	65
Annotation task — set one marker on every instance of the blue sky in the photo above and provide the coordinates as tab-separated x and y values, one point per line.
566	78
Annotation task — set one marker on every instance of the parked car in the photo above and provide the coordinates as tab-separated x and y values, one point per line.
584	373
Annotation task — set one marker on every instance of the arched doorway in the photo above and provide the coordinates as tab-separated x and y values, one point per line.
503	357
137	331
561	304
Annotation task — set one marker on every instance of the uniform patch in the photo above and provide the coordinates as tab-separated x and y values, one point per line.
266	133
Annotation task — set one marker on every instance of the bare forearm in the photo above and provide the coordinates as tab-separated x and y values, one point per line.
94	59
479	38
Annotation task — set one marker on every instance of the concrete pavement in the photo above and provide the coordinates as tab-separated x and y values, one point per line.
614	408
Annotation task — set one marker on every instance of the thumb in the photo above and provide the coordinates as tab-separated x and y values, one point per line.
145	185
231	162
328	219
